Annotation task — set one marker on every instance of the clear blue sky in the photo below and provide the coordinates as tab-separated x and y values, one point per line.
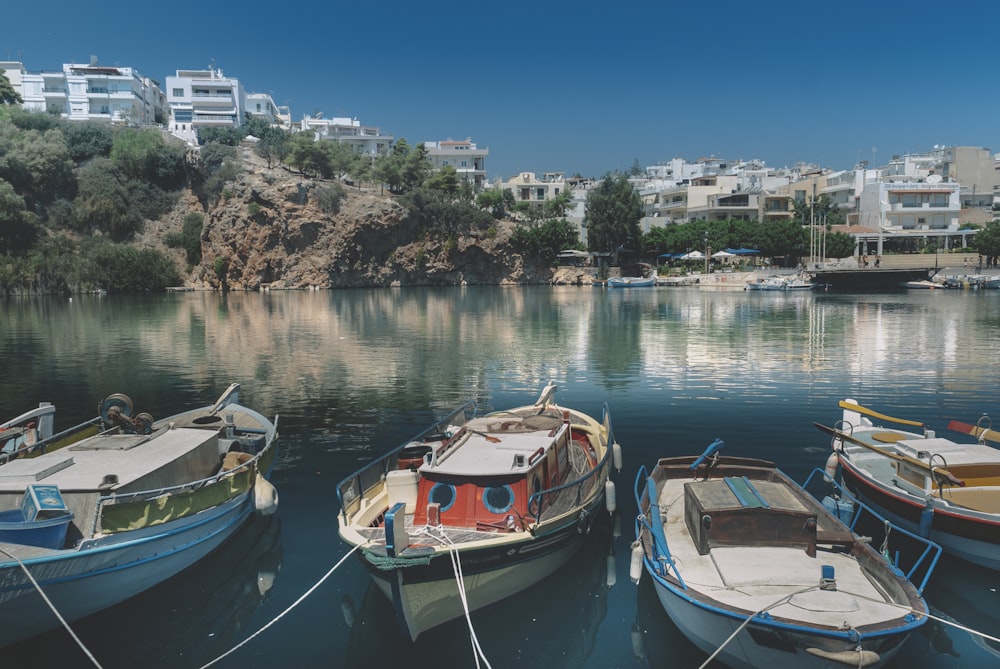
584	86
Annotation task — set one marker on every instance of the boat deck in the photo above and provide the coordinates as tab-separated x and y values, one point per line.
784	581
135	460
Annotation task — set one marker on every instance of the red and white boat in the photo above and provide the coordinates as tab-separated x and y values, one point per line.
478	507
945	491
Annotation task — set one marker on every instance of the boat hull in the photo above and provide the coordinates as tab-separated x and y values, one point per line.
478	507
964	535
426	598
757	646
82	582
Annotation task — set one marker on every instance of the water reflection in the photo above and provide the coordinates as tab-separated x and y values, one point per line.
355	372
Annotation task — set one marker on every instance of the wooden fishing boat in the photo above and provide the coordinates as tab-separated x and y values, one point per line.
946	491
759	573
478	507
108	516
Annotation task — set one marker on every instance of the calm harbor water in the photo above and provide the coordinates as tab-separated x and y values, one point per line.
353	373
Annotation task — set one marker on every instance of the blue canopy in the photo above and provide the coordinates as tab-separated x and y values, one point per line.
744	252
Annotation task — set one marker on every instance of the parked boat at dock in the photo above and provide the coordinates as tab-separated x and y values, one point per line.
759	573
497	501
946	491
631	281
111	515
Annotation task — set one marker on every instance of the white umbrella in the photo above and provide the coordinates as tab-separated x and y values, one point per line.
693	255
723	254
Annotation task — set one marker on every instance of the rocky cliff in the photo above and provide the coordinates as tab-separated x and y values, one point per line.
271	228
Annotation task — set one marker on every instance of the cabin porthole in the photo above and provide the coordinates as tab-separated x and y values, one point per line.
498	499
443	494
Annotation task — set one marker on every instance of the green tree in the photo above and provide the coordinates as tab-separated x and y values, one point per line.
88	140
102	202
557	206
273	146
839	245
987	240
308	156
445	179
36	163
547	239
143	155
493	200
8	96
612	215
18	229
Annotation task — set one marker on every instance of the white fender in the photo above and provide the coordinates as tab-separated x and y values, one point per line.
265	496
609	496
850	658
616	455
831	466
635	563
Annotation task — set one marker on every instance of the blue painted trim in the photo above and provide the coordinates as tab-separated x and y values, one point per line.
238	519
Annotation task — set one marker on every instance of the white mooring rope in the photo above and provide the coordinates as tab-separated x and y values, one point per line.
287	610
48	602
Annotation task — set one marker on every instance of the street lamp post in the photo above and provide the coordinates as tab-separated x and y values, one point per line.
708	251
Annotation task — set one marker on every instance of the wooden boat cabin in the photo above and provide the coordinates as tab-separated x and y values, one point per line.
483	476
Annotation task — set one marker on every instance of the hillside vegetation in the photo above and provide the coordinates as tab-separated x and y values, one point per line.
88	207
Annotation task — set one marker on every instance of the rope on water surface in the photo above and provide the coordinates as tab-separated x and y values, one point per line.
287	610
45	598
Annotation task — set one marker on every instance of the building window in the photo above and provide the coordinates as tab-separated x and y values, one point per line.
178	92
465	164
258	107
540	194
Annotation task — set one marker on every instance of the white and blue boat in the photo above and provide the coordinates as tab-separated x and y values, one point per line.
104	517
757	572
631	281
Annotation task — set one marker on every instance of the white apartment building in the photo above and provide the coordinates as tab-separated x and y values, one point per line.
527	188
261	105
908	214
93	92
468	160
203	99
366	140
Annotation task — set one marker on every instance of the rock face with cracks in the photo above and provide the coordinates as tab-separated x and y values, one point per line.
276	228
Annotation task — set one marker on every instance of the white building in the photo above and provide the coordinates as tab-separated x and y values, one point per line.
528	189
261	105
203	99
366	140
94	93
468	160
911	213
